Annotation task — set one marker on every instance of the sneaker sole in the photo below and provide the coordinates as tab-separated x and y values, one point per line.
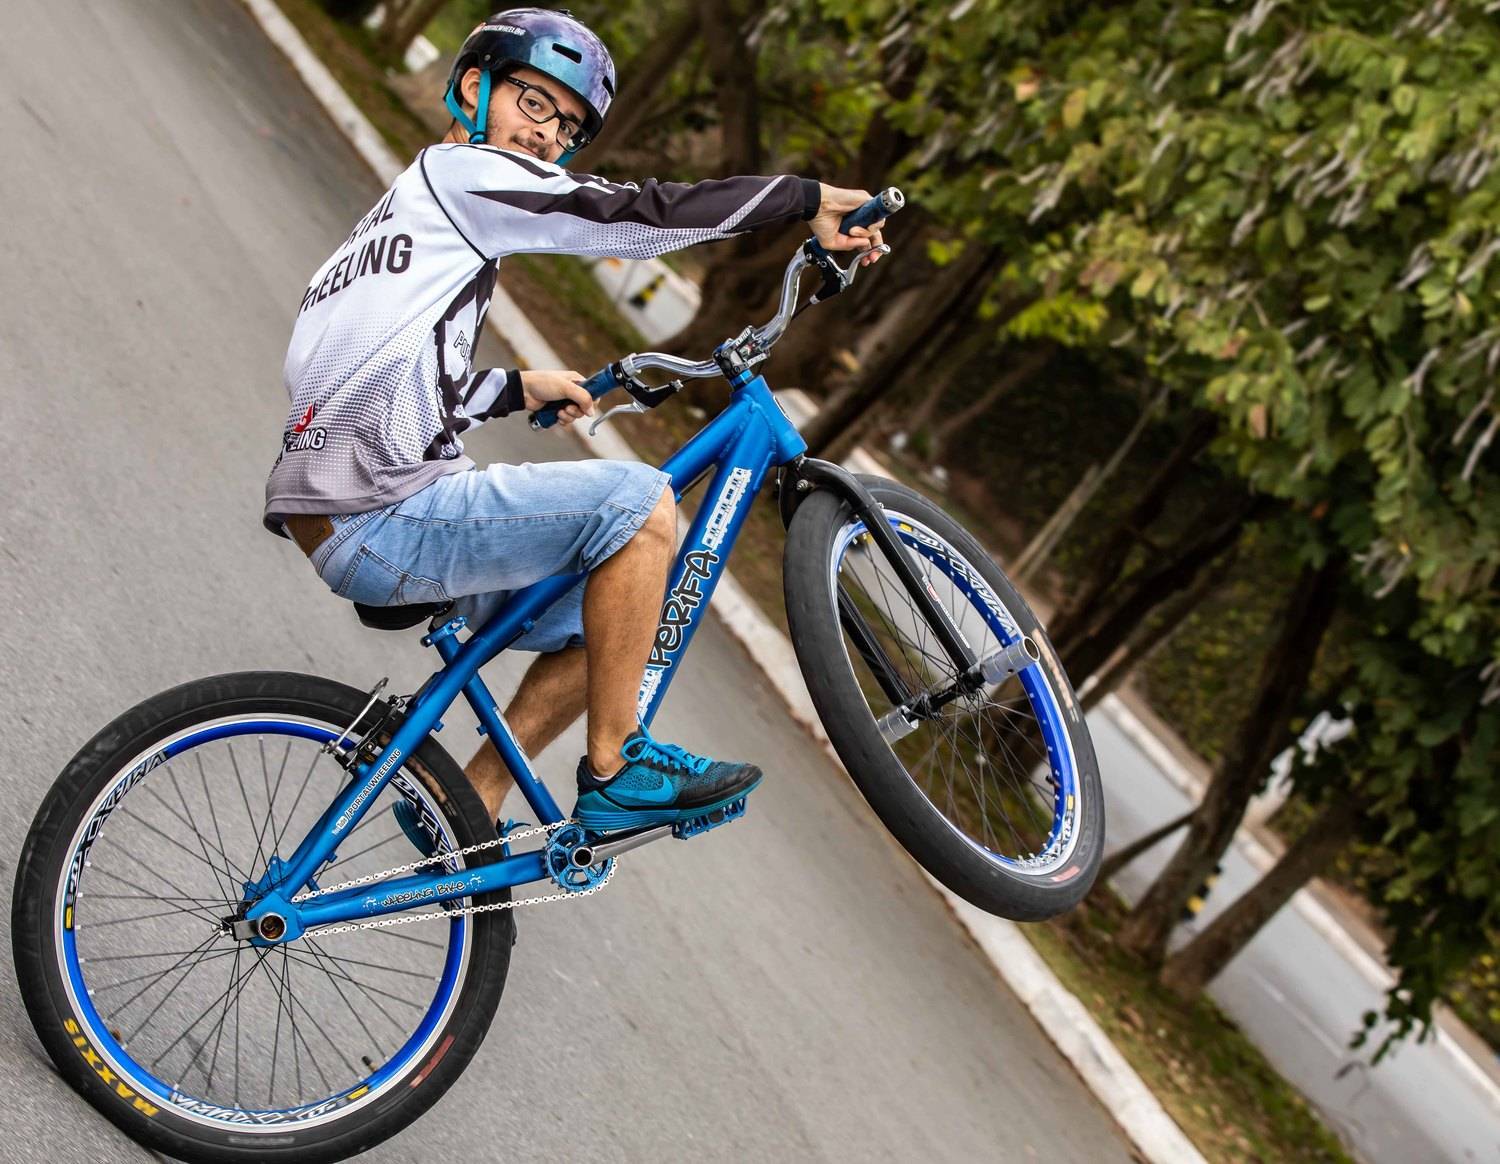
629	818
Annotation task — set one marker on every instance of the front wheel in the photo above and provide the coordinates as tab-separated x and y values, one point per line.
211	1049
993	787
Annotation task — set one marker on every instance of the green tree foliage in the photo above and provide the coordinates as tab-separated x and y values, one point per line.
1289	213
1292	212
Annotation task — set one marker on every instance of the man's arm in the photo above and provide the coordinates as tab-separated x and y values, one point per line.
508	203
496	392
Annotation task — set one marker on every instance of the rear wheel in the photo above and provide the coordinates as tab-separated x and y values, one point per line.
994	790
205	1047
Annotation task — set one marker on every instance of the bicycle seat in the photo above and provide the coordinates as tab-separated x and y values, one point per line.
399	617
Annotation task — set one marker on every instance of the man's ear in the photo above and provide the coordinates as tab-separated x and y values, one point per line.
468	90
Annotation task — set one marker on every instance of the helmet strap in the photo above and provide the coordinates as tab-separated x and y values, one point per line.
481	116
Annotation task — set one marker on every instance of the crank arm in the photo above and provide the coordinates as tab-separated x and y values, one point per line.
614	843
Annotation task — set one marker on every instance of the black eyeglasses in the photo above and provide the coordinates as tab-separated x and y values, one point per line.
538	105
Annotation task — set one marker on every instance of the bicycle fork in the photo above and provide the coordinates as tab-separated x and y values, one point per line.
971	673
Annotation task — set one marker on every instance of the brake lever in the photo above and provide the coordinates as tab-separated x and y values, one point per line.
633	406
642	398
837	278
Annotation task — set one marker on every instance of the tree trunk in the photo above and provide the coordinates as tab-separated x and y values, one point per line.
1040	548
805	357
403	23
945	369
1149	637
1030	361
1194	966
1264	732
643	80
732	62
350	11
1141	845
1088	652
1109	561
883	370
742	286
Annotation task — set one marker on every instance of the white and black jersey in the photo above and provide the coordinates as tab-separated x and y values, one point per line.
380	369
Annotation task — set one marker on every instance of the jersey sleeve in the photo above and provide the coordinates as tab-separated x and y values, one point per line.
492	392
504	202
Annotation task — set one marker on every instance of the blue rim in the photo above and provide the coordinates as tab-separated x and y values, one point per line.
97	1029
1043	702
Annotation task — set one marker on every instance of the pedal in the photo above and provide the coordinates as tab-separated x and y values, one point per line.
684	829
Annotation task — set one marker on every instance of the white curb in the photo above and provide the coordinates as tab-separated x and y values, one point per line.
1060	1014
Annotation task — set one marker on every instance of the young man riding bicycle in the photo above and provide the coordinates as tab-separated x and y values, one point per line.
372	482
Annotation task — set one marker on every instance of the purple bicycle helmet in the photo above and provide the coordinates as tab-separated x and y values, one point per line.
553	43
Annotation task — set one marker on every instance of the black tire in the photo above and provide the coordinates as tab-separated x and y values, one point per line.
37	943
1028	889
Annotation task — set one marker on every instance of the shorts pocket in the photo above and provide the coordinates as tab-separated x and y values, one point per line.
372	580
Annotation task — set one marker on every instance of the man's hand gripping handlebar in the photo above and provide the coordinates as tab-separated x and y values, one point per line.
866	219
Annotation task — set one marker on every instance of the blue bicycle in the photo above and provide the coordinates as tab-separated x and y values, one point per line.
218	921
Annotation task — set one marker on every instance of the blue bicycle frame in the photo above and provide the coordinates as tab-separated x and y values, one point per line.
741	445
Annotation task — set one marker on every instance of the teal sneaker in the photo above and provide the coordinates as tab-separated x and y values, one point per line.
660	784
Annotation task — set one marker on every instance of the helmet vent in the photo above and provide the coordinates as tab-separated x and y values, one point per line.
609	86
572	54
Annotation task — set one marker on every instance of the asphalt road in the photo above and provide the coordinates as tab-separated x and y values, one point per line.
1300	999
788	987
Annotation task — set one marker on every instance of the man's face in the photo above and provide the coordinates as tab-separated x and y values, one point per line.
513	109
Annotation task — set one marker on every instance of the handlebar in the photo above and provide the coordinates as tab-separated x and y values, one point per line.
603	381
883	205
625	371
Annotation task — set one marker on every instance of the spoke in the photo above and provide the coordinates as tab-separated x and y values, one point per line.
378	966
224	886
248	971
134	957
201	1047
275	1049
260	853
145	893
199	912
94	988
318	952
354	1010
182	894
213	814
292	1003
215	902
306	780
402	999
397	835
389	933
160	1003
213	1061
171	840
269	823
236	988
280	772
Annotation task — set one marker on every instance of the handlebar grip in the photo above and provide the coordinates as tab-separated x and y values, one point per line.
883	205
604	381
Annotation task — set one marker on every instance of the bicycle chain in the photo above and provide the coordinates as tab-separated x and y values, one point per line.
407	918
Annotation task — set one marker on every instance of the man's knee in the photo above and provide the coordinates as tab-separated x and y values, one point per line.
660	526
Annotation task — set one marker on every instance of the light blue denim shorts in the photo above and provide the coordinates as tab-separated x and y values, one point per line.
474	537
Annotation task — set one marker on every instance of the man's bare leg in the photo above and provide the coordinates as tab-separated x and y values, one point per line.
552	694
605	675
621	606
